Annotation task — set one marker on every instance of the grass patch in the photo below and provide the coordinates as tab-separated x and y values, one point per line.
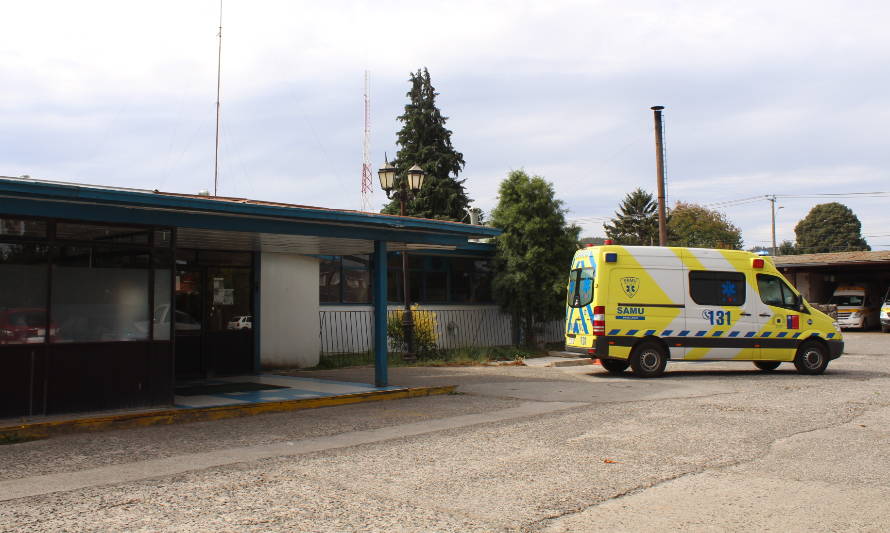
454	357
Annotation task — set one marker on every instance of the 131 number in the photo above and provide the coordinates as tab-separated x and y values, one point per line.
717	318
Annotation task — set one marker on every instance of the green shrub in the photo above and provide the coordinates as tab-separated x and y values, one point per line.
425	335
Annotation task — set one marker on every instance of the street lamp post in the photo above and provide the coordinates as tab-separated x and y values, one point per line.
410	184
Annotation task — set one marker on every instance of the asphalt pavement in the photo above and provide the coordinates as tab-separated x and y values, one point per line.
708	447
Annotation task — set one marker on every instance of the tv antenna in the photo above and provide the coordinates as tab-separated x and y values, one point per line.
367	183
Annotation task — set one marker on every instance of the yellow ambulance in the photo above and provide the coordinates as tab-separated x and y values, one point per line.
640	306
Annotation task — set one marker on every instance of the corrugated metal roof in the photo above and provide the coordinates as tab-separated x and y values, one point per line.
837	258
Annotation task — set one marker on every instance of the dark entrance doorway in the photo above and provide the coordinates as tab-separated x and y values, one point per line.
214	323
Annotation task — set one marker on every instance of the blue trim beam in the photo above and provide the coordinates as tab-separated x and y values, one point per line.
381	357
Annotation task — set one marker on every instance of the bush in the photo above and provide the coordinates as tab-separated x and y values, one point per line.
425	335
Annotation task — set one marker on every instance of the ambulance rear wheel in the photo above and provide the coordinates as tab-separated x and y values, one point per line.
767	366
615	366
811	358
648	360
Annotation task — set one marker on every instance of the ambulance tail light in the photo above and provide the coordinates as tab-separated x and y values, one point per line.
599	320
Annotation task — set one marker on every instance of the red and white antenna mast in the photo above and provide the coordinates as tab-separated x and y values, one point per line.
367	183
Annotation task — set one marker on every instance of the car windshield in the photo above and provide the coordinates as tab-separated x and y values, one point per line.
847	300
580	291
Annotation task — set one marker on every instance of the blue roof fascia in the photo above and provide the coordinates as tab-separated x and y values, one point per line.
211	221
144	199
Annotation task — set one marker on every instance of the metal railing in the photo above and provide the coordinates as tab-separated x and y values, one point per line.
352	331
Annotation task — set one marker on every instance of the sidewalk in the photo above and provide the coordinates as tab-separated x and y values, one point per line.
217	399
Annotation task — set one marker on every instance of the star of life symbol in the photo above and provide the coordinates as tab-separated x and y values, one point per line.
630	286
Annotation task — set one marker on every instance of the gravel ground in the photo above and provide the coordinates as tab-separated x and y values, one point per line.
716	446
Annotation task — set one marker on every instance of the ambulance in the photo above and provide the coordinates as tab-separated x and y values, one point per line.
641	306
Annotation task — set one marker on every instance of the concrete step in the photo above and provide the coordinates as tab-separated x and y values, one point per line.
553	361
559	353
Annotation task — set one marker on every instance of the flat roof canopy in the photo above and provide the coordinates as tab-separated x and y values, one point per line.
236	223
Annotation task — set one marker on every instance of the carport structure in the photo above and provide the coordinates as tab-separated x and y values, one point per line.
817	275
109	295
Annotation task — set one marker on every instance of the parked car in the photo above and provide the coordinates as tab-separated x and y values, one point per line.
857	306
885	313
240	322
24	326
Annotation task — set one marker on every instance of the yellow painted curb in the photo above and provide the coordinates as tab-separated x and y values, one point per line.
39	430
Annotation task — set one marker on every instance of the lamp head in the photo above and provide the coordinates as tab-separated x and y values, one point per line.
415	178
387	176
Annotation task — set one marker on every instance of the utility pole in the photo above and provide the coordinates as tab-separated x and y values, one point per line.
659	166
772	201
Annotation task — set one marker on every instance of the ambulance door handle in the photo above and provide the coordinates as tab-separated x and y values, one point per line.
745	314
764	314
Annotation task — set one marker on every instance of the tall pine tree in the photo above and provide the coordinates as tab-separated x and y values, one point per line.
424	140
636	221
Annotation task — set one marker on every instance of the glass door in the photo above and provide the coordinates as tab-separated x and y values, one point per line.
189	319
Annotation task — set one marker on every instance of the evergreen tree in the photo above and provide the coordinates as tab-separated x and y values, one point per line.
533	252
636	221
424	140
787	248
831	227
699	227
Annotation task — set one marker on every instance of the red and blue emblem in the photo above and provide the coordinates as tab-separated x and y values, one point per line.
793	322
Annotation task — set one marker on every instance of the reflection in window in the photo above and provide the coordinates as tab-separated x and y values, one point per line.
774	291
329	279
96	232
100	294
16	227
357	279
23	270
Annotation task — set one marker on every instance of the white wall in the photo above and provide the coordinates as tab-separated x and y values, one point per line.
289	311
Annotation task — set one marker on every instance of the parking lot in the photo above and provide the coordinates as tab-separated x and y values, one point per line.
713	446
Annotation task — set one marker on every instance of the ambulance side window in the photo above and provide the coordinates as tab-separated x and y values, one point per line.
710	287
774	291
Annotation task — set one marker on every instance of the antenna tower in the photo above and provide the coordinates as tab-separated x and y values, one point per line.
367	183
218	79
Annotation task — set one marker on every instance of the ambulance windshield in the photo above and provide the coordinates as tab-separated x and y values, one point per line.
847	300
580	287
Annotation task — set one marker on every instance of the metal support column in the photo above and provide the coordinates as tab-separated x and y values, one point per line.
381	359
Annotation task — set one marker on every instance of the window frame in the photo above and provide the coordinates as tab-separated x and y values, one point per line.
729	275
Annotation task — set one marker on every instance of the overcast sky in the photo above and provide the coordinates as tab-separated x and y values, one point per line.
776	97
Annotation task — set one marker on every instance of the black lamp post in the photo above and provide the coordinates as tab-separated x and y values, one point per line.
410	184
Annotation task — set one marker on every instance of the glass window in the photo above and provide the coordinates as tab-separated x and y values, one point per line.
230	299
162	260
580	291
436	287
482	276
163	238
16	227
710	287
23	284
329	279
775	292
100	294
357	286
356	279
394	285
96	232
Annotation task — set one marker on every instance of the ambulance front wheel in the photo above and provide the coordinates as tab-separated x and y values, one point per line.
615	366
811	358
648	360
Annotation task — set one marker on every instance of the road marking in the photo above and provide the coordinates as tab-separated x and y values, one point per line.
107	475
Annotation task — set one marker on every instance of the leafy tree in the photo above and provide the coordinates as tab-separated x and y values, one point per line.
636	221
699	227
533	252
592	241
831	227
787	248
424	140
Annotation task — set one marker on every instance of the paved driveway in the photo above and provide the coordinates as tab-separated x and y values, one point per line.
716	446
